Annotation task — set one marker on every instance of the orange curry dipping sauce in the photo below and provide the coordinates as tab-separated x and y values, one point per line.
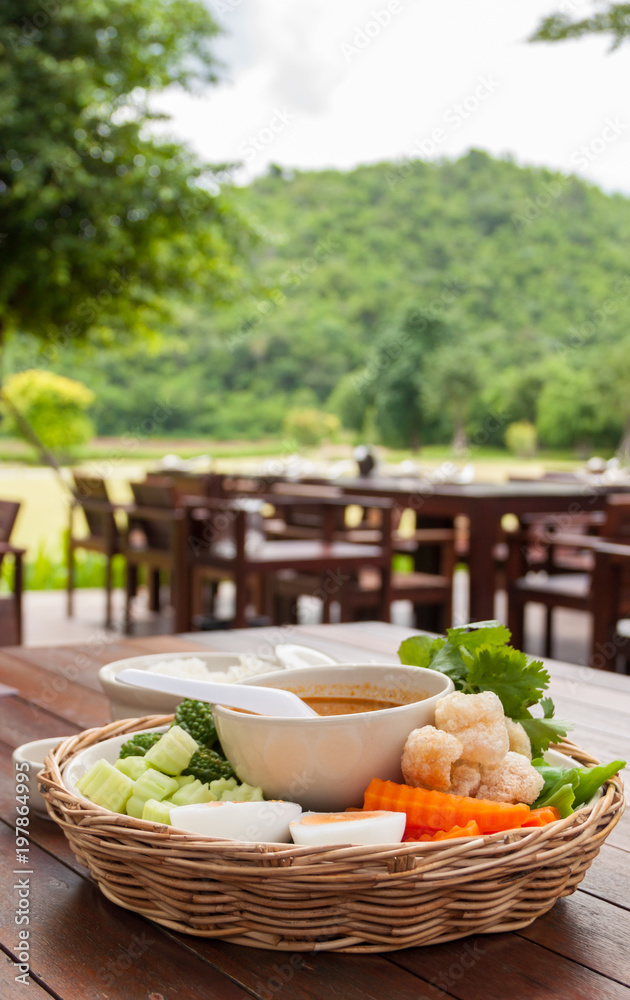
348	706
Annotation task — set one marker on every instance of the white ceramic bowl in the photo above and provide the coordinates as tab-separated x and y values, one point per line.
34	754
327	762
128	702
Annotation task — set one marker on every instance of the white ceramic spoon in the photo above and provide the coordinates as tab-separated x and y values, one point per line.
262	700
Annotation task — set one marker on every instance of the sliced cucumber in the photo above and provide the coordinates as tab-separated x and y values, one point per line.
133	767
106	786
243	793
221	785
157	812
189	794
171	754
150	785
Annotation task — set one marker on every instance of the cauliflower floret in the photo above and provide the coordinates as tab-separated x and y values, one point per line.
478	722
465	779
513	779
427	758
519	740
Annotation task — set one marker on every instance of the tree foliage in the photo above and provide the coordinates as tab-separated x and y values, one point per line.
611	19
54	406
100	218
518	272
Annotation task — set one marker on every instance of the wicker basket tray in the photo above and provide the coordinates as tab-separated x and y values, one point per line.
351	899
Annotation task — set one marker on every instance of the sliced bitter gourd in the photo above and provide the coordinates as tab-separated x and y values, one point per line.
172	753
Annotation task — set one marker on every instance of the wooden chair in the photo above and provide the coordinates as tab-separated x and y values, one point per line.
564	576
610	604
329	562
104	535
428	586
11	607
154	540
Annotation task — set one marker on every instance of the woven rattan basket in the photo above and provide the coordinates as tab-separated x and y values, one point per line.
352	899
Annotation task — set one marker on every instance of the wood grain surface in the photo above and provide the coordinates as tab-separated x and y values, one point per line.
85	948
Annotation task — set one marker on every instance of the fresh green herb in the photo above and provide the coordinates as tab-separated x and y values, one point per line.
477	658
544	731
569	788
518	680
592	778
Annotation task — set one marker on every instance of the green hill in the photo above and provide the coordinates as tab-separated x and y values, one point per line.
502	288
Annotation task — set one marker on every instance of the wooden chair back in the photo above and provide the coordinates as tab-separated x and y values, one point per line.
305	514
161	496
9	510
617	518
101	523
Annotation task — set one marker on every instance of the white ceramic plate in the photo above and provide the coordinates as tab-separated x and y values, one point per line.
109	750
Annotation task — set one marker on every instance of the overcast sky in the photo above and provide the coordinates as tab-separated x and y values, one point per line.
321	83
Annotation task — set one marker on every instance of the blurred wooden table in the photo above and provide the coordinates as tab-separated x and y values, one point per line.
84	948
484	504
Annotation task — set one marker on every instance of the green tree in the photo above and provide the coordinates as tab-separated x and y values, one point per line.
399	365
55	408
569	412
450	383
309	427
102	221
613	20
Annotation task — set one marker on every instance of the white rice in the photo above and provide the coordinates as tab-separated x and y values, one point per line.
193	667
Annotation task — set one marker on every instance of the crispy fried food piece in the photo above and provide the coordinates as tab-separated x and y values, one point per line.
519	740
427	758
465	779
478	722
513	779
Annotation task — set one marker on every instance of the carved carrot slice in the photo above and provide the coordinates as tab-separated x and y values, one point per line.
439	811
542	816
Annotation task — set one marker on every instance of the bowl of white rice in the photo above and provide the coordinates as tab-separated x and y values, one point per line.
128	702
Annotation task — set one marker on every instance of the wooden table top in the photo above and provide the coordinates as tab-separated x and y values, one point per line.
82	947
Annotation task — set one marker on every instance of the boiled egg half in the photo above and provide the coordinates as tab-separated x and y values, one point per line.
266	822
314	829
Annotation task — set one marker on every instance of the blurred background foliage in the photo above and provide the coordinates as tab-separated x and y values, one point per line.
415	301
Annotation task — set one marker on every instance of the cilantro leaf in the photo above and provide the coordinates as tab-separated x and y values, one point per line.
545	730
517	679
477	634
419	650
